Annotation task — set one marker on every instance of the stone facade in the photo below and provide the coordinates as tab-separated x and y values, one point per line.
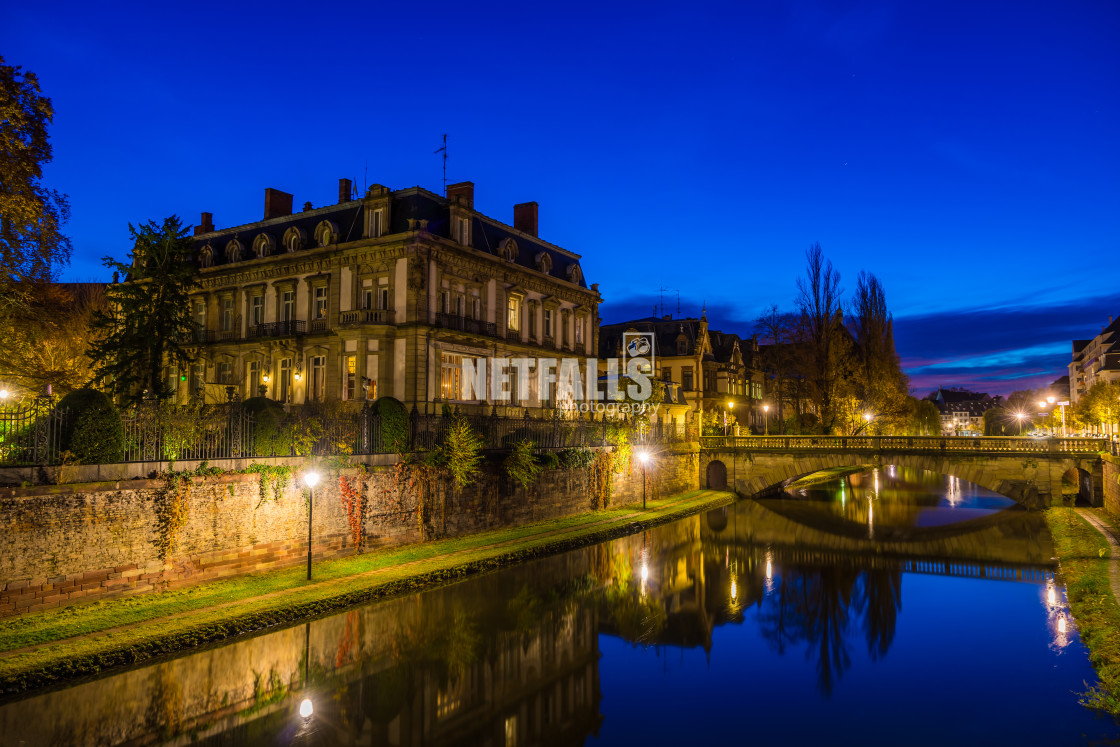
1111	485
382	295
68	543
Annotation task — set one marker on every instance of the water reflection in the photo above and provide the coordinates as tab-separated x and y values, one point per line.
513	658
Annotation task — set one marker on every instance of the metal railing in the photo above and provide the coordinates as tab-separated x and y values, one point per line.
365	316
949	444
466	324
288	328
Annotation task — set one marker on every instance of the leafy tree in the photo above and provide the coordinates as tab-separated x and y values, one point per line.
149	323
821	320
925	418
521	465
462	451
44	341
31	215
1099	407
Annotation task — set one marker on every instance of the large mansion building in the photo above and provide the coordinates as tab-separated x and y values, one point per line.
381	295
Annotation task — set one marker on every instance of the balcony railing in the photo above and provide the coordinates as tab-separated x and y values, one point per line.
513	335
466	324
288	328
318	326
365	316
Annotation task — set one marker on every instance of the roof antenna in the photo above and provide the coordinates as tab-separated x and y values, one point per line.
661	290
444	151
678	302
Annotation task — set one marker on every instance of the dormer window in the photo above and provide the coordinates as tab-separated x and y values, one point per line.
507	250
544	263
326	233
233	251
294	239
462	232
575	275
262	245
206	256
377	223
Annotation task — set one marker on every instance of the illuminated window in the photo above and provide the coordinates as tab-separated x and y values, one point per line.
514	316
451	381
376	223
320	310
350	372
511	731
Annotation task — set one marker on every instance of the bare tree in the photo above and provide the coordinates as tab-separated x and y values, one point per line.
778	331
821	318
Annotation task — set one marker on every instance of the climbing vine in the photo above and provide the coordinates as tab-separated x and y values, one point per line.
353	494
173	506
273	477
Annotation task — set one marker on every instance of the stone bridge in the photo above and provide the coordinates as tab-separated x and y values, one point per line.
1027	470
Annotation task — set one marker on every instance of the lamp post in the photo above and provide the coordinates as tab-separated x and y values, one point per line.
867	418
310	479
1042	406
730	408
1019	417
643	457
766	420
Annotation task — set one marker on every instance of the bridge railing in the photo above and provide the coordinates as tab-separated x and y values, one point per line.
947	444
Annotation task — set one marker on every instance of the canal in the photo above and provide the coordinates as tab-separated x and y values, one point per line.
888	606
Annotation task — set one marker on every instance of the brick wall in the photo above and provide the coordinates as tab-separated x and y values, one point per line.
65	544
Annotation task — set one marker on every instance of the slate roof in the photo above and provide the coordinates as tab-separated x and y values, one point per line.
413	203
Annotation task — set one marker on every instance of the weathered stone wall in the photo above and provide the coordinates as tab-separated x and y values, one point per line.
1111	484
68	543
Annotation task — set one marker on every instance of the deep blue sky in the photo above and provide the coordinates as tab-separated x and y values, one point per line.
965	153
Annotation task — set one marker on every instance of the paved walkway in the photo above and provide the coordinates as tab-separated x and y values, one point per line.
449	556
1113	538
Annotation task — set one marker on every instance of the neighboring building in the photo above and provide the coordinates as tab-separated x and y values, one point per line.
381	295
710	368
1094	360
962	413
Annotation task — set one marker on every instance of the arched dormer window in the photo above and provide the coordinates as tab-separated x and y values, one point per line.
233	251
575	274
326	233
263	245
508	250
206	256
544	263
294	239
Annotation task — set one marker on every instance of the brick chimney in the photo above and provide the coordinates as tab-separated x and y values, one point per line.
276	203
525	217
205	224
461	194
344	190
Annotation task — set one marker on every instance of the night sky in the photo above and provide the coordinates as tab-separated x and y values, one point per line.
966	153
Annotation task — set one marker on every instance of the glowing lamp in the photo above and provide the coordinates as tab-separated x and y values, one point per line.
306	708
311	479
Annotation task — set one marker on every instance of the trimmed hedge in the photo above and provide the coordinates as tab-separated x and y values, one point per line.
92	430
394	424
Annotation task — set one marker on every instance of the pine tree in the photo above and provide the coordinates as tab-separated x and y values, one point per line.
148	326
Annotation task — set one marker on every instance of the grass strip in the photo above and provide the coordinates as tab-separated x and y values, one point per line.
434	563
1083	553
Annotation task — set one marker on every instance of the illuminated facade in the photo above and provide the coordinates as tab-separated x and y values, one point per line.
379	295
1096	360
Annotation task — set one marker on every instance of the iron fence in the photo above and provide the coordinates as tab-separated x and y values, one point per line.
34	435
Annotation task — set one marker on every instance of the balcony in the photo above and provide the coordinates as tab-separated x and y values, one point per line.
513	335
318	326
466	324
289	328
365	316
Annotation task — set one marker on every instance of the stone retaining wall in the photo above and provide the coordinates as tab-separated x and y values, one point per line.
1112	484
63	544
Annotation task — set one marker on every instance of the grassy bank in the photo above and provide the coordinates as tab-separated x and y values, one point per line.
1084	556
56	645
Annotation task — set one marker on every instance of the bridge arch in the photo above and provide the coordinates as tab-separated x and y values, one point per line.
716	475
1033	480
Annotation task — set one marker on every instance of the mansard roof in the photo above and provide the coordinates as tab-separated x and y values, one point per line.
413	204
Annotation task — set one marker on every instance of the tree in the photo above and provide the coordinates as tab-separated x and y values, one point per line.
821	319
44	341
925	418
148	325
879	384
1099	407
779	334
31	215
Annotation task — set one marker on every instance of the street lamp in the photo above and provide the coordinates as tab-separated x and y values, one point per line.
1019	417
730	407
643	457
310	479
766	419
1042	405
4	393
868	417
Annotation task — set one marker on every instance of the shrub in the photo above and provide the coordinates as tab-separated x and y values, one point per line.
462	451
394	424
521	465
92	431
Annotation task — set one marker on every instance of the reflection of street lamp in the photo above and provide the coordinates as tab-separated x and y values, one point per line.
310	479
766	419
643	457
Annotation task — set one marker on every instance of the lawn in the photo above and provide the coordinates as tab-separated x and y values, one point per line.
60	644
